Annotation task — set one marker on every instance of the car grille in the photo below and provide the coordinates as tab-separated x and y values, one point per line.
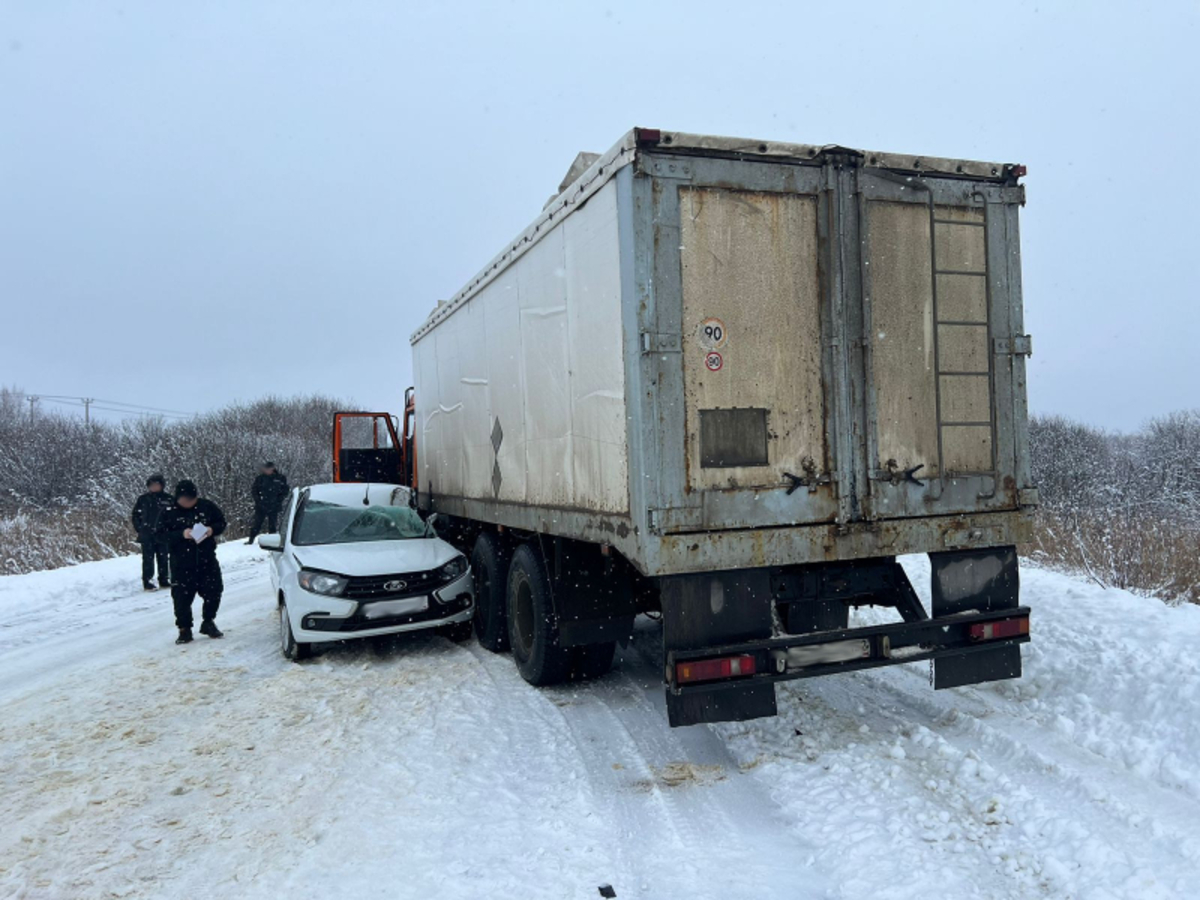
373	587
358	622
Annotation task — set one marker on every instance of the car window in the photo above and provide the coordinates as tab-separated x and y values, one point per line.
283	517
321	522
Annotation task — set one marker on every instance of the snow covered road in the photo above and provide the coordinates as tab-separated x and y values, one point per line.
130	767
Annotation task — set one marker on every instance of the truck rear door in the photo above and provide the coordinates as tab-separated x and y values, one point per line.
743	245
941	344
843	342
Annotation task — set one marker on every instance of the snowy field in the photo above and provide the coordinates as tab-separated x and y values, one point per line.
130	767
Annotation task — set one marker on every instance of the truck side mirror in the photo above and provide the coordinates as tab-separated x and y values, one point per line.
271	542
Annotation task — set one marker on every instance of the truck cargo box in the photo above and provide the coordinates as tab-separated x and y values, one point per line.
721	354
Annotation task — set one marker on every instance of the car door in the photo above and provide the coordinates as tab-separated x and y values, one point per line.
280	560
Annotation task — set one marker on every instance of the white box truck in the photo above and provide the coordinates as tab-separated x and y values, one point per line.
729	381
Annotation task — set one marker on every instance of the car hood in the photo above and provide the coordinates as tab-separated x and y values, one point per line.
376	557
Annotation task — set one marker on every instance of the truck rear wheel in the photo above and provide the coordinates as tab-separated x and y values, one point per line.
489	565
532	629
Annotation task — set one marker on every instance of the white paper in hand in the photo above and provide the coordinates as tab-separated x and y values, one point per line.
200	531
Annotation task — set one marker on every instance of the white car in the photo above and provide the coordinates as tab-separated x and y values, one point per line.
356	560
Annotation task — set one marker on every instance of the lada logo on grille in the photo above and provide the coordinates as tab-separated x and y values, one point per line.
395	585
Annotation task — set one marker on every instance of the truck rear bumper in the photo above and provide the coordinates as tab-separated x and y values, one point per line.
970	638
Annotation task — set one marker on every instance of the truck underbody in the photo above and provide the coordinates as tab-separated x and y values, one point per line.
729	637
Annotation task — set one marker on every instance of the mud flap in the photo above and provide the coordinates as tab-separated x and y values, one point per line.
982	580
709	610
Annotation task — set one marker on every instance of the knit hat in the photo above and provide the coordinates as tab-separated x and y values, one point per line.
186	488
157	479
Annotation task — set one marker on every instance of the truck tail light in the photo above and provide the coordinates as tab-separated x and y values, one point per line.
713	669
994	631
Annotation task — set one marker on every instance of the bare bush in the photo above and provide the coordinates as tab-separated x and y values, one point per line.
66	488
1122	509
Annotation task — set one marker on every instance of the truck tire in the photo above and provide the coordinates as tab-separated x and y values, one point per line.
592	660
532	629
489	565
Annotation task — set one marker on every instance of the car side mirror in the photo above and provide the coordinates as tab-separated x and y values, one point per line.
271	542
432	520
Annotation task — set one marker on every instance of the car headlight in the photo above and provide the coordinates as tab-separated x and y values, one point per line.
453	569
322	582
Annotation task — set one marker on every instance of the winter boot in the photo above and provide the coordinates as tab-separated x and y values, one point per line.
148	586
209	627
163	584
249	540
185	636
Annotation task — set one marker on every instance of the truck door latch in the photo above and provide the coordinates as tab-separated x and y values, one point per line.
810	479
892	472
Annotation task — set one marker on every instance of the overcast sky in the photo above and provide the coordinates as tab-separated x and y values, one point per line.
202	203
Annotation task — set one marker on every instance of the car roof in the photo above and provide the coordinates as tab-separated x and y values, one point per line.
349	494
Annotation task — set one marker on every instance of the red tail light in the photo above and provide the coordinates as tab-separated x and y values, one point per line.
1005	628
713	669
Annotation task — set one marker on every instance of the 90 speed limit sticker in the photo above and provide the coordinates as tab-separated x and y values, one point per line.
713	361
711	334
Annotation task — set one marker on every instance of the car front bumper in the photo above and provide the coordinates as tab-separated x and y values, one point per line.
317	618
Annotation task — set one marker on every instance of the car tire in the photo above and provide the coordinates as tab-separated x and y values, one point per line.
532	627
292	649
489	568
592	660
457	631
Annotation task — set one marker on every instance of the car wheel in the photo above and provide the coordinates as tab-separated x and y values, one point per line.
292	649
592	660
489	567
457	632
532	629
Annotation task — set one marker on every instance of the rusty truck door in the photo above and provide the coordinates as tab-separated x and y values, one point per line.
941	325
741	244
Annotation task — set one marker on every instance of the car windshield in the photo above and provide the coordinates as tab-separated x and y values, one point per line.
321	522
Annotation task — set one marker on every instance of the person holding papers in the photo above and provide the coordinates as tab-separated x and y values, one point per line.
191	528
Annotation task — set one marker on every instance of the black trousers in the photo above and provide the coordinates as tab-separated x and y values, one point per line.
154	551
206	582
272	517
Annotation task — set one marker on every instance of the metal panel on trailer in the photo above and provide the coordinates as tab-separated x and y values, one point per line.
942	438
738	297
902	336
521	391
752	305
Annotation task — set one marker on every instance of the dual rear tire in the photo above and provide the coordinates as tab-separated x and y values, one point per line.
514	608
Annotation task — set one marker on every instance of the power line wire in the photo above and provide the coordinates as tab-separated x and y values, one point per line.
178	412
132	409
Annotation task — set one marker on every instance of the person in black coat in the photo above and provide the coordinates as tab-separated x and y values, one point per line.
270	489
191	528
147	512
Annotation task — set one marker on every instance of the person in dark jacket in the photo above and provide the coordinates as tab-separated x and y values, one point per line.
149	508
191	528
270	489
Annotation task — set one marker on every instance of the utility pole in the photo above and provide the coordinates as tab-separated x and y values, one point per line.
87	409
33	399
